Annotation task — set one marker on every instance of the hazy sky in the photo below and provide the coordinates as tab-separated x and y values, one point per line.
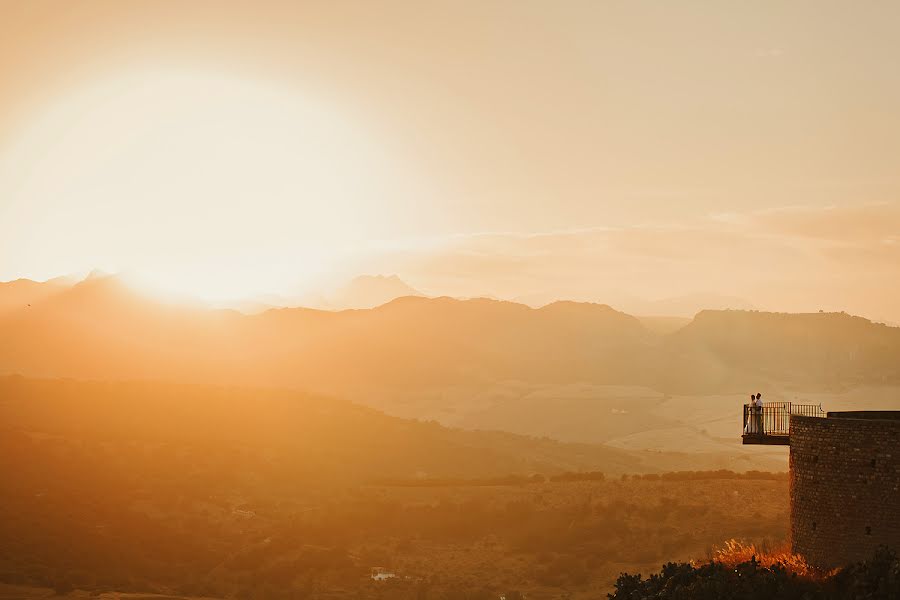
570	148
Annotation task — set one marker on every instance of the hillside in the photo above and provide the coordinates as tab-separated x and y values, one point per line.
273	437
21	293
828	349
189	490
100	328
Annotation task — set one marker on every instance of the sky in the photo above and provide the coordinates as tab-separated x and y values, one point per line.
606	151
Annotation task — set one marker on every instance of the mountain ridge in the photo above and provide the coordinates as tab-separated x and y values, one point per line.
106	327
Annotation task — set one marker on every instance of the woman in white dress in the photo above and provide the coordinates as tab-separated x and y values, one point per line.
750	425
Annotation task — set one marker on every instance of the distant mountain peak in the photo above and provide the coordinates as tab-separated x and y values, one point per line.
369	291
97	274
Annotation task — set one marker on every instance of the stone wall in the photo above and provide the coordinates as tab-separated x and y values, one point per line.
845	486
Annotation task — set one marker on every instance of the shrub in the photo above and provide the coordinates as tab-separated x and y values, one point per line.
753	579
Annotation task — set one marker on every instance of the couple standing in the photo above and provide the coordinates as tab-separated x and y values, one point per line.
755	418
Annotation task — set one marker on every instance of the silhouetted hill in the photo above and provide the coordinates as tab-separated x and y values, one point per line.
419	341
812	349
100	328
20	293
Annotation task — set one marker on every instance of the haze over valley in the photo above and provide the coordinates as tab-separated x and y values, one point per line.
393	300
574	372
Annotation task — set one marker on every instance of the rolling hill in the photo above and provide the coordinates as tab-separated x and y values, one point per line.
812	349
21	293
100	328
229	437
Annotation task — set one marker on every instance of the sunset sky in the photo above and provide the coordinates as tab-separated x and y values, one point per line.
605	151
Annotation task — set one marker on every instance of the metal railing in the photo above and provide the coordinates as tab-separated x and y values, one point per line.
774	418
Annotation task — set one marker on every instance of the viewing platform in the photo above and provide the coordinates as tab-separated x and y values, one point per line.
770	424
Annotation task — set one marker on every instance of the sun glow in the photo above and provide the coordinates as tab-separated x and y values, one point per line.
212	186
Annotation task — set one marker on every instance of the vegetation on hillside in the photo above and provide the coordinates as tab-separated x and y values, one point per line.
198	491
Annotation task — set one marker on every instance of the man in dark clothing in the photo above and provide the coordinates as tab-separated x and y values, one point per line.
759	414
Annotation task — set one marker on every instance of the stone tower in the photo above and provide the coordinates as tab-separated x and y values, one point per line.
845	485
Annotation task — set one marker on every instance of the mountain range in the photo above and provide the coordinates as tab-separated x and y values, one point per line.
575	372
101	328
